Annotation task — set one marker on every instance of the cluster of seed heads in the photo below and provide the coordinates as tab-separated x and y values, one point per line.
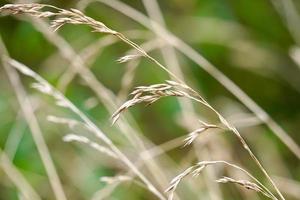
246	184
61	16
193	135
150	94
144	94
196	170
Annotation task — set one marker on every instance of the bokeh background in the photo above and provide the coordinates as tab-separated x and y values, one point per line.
254	42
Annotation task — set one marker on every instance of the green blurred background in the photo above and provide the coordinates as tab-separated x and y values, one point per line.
253	42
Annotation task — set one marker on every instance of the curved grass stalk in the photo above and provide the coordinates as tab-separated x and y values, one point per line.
46	88
152	93
188	112
87	55
195	170
104	95
76	17
28	112
208	67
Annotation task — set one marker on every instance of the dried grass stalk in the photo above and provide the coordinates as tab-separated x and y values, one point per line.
246	184
43	86
152	93
115	179
121	179
74	16
71	123
193	135
62	17
59	17
211	69
81	139
196	170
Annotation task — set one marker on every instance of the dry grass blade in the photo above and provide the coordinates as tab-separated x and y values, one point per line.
214	72
131	67
104	95
81	139
43	86
76	17
175	181
71	123
121	179
32	9
246	184
207	66
30	117
63	17
195	171
115	179
193	135
188	113
150	94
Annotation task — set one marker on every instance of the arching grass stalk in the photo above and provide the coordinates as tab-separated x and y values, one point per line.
74	16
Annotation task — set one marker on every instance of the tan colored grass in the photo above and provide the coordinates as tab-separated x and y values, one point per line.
197	169
188	114
84	140
131	132
246	184
29	115
76	17
193	135
188	51
44	87
150	94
